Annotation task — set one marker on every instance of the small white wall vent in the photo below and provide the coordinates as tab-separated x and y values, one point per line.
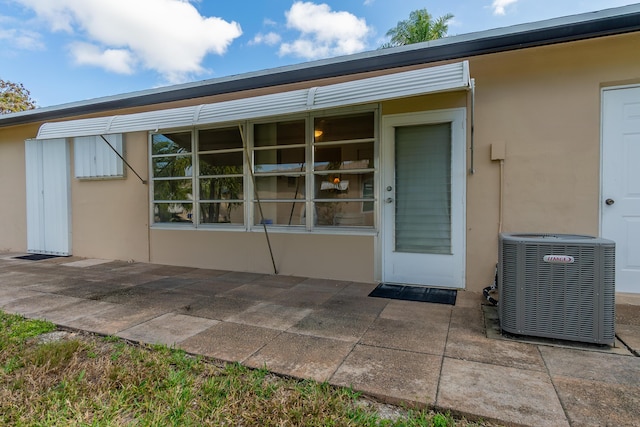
557	286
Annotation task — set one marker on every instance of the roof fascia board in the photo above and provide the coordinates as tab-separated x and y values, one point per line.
559	30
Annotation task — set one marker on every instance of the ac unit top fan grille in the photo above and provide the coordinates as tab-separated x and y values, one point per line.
557	286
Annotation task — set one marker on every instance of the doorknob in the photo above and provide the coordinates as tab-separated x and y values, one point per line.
389	200
609	202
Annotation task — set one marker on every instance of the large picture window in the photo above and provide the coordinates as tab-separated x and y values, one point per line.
310	172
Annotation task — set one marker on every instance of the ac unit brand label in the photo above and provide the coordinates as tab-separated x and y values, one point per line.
558	259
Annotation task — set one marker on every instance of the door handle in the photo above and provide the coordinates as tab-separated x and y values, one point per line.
389	200
609	202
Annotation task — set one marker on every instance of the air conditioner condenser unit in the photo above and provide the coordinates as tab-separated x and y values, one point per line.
557	286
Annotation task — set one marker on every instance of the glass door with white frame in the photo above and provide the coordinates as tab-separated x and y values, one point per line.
423	195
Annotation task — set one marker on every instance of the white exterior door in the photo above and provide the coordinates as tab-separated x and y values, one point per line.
620	204
423	198
47	191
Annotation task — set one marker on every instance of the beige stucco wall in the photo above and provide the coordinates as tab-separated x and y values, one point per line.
110	217
13	219
325	256
541	104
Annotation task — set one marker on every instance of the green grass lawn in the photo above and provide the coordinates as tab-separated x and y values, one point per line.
84	380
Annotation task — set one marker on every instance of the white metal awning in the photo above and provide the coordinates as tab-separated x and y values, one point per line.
397	85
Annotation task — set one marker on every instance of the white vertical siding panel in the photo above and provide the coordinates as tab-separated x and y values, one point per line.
93	158
48	207
34	195
57	228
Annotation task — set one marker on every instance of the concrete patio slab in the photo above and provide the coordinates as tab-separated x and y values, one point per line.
358	289
142	297
596	366
35	305
301	356
240	276
392	375
91	289
253	292
357	305
285	282
16	279
202	273
517	396
89	262
404	352
427	338
168	329
630	336
272	316
334	324
628	314
61	283
416	312
471	318
209	287
325	285
114	318
304	296
8	296
218	307
593	403
64	315
231	342
469	345
169	283
166	270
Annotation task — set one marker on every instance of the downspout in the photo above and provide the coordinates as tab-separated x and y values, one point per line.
472	85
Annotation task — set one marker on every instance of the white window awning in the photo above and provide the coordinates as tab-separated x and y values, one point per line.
397	85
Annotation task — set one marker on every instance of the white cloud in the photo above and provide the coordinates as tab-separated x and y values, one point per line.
324	32
168	36
270	39
368	2
14	35
499	6
119	61
21	38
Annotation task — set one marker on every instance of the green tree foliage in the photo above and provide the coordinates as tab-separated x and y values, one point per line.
14	97
420	27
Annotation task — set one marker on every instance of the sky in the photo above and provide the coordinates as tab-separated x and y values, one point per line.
71	50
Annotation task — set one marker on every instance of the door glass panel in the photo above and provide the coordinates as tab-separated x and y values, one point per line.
423	189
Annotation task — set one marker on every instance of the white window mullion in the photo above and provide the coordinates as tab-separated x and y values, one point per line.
309	180
195	162
249	195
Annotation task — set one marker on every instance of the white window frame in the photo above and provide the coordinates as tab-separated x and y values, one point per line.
249	194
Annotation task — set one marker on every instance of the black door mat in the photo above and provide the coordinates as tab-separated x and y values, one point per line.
36	257
415	293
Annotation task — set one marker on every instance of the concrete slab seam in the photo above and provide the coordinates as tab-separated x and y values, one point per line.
555	387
